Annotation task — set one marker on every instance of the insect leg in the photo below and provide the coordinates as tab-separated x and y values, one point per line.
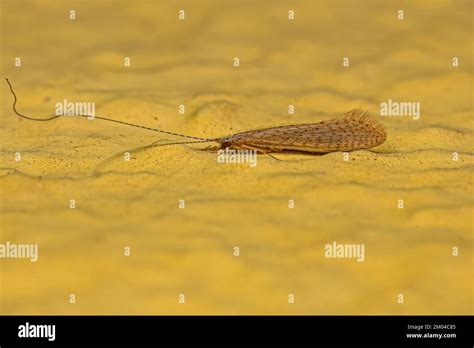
248	147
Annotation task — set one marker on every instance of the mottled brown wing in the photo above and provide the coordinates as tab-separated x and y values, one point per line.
357	130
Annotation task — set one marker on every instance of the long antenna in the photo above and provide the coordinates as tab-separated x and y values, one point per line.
105	119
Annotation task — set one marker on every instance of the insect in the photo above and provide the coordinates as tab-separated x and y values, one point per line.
356	130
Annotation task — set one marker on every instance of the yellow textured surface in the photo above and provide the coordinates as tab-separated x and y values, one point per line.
190	251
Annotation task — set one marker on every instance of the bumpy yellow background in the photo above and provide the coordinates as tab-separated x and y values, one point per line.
190	251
